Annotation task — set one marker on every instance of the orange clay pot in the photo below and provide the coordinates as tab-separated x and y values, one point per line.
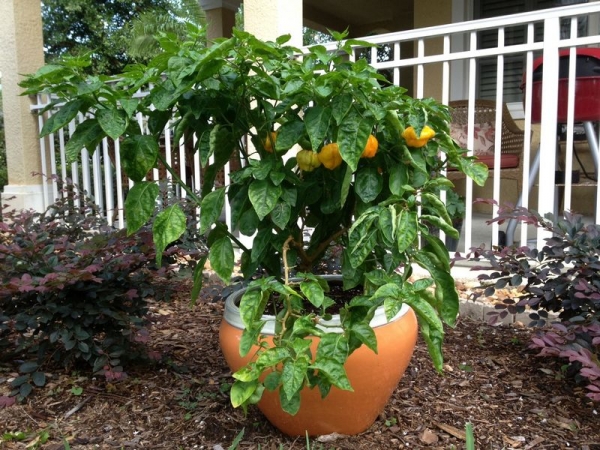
374	377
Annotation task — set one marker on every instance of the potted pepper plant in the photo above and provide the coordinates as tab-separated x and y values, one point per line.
322	143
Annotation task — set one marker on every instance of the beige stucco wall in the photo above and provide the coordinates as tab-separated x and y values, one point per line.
268	19
21	52
427	14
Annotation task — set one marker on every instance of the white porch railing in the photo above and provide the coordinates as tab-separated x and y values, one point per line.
448	54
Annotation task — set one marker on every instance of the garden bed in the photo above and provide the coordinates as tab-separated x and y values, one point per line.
513	398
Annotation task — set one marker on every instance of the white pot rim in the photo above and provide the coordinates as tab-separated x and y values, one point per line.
232	314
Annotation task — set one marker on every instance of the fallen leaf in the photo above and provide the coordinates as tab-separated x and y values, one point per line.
428	437
330	437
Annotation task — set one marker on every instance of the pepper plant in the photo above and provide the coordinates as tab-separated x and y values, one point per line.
323	143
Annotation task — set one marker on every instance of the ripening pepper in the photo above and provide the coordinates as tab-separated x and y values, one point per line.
371	148
413	141
330	156
307	160
269	142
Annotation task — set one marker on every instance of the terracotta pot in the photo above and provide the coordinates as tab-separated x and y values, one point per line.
374	377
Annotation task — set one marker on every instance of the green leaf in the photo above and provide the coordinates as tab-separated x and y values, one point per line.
362	238
140	204
261	243
334	371
248	222
168	226
476	170
62	117
436	206
341	106
241	392
365	334
442	225
138	155
281	214
157	121
387	225
445	287
317	121
38	378
352	137
313	292
88	134
251	306
129	105
292	376
434	340
334	346
250	337
77	391
83	347
368	184
289	134
113	121
272	381
221	143
290	405
424	310
163	95
25	389
18	381
438	248
398	178
406	230
221	257
211	208
273	356
28	367
263	195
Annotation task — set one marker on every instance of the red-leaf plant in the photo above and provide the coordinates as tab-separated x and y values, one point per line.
562	278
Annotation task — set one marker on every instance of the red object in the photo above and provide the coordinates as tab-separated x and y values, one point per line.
587	86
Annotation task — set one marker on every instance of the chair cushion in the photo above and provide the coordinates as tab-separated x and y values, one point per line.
483	134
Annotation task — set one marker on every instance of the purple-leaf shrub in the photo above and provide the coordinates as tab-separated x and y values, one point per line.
74	290
562	278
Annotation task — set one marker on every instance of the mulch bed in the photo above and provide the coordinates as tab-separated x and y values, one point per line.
514	399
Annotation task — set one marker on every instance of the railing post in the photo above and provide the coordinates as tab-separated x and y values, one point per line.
548	125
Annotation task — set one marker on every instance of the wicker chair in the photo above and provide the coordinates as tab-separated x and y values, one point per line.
512	144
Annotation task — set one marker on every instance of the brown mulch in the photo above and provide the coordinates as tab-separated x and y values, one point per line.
514	399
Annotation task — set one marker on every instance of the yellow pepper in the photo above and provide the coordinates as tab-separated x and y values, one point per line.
307	160
330	156
413	141
371	148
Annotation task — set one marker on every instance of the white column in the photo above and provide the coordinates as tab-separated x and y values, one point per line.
268	19
21	52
